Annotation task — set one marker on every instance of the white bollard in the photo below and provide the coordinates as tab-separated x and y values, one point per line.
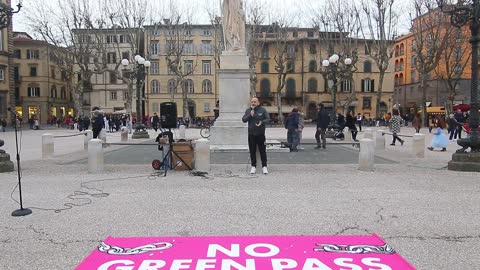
202	155
380	140
181	132
368	134
88	137
348	134
103	135
418	146
366	159
95	156
124	134
47	146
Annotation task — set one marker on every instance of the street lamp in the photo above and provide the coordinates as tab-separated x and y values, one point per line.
463	13
6	14
331	65
138	72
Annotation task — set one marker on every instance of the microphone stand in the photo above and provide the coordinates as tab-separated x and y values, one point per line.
22	211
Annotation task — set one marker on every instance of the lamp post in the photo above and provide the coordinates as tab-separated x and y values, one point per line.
138	73
6	14
331	65
463	13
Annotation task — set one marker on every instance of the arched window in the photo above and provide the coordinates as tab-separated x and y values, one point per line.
290	85
400	67
63	93
312	85
264	88
264	67
155	87
367	66
189	87
53	92
396	80
172	85
207	87
312	66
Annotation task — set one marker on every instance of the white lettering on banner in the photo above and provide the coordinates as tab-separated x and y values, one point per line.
152	265
231	265
179	264
375	262
205	264
347	263
234	250
280	264
106	266
273	250
315	264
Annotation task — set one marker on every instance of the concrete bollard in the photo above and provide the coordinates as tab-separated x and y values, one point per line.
95	156
181	132
366	159
202	155
88	137
418	146
348	134
124	134
103	135
368	134
48	146
380	140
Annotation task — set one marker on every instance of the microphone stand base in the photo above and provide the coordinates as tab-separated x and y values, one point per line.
21	212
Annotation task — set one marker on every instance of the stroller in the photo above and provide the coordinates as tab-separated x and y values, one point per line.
337	132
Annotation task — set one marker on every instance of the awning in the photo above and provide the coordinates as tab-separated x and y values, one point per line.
274	109
435	110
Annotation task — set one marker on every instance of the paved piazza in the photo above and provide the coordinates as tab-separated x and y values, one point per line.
430	215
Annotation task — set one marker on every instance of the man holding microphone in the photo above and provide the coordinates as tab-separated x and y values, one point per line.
257	117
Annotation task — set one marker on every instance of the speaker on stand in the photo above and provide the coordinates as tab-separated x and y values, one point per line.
168	115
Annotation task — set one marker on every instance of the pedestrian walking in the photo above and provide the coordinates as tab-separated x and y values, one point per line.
439	139
3	125
323	120
395	124
291	124
460	117
359	121
257	118
417	122
97	122
452	126
301	126
351	125
155	121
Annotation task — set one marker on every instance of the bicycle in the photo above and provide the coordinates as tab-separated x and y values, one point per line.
205	131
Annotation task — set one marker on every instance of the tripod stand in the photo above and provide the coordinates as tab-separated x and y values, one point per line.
22	211
168	156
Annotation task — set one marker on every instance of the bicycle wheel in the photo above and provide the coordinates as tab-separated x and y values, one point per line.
205	132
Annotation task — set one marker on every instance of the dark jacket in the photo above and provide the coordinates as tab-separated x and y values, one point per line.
351	122
323	119
98	122
459	117
291	123
261	115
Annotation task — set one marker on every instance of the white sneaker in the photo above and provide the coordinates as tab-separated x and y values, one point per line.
264	170
253	170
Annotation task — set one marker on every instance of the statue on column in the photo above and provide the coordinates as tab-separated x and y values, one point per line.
233	25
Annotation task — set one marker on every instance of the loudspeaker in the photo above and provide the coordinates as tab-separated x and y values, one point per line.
168	115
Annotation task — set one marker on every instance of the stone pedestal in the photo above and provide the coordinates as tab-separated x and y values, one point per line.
88	137
368	134
96	159
348	134
48	146
124	134
182	132
380	140
366	159
466	162
202	155
234	86
418	147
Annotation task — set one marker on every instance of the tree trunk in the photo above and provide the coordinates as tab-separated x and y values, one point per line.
186	113
279	107
253	83
423	88
379	92
129	101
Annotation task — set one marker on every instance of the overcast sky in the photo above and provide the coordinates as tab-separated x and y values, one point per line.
300	9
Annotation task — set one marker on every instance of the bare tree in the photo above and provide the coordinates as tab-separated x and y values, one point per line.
431	30
379	21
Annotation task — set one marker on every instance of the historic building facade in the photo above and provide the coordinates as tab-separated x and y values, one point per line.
6	68
40	87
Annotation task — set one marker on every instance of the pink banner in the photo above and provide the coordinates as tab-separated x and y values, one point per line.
246	253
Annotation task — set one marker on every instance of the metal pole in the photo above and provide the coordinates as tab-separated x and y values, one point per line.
473	121
334	91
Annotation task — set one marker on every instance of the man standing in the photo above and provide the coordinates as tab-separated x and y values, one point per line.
359	121
257	117
3	125
323	119
155	121
460	120
97	122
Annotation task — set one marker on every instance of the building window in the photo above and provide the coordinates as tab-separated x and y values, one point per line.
155	87
125	95
2	74
414	61
206	107
126	55
53	73
63	93
33	91
206	67
125	39
206	47
33	71
346	86
264	53
188	48
207	33
313	48
290	67
413	76
17	54
155	48
290	85
368	85
312	66
188	67
312	85
310	34
188	86
290	51
207	87
112	39
156	107
265	88
85	39
113	95
33	54
264	68
155	68
172	85
113	77
367	103
53	92
367	67
111	58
